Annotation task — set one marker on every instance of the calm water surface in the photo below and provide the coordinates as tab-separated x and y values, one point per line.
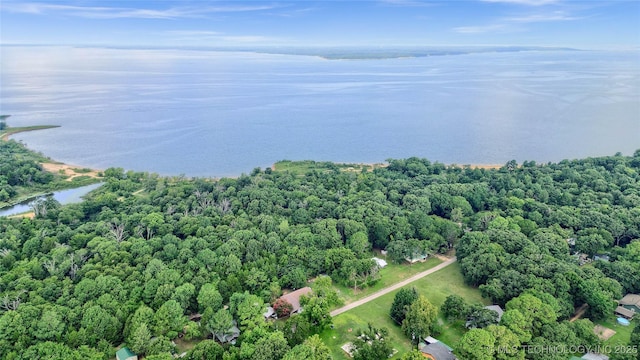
205	113
68	196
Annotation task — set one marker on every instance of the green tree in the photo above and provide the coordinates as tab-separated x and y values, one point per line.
401	302
163	356
536	313
99	324
359	243
272	347
250	312
217	323
419	319
205	350
13	331
479	317
323	288
169	319
209	297
515	321
476	344
454	307
142	315
507	346
316	310
140	339
296	329
184	295
413	355
160	345
50	326
312	349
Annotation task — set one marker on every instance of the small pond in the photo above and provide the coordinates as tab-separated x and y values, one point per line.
67	196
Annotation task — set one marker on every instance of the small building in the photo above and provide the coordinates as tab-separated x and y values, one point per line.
438	351
631	302
581	258
293	298
417	258
430	340
381	263
497	309
126	354
230	335
625	313
600	257
270	313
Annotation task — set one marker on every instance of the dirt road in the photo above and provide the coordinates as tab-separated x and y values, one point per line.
392	287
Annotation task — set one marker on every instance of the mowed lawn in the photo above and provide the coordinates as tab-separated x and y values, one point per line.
623	333
435	287
389	275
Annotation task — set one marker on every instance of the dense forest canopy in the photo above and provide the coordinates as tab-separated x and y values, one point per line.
132	263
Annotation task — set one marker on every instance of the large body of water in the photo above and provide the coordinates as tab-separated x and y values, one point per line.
208	113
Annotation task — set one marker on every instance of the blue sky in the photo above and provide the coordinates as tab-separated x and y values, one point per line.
581	24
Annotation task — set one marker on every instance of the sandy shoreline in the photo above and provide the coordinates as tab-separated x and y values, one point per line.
68	170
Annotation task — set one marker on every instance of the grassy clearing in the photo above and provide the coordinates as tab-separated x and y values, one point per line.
347	324
435	287
623	333
302	167
183	345
389	275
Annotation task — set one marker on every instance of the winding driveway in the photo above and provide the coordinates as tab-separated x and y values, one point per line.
392	287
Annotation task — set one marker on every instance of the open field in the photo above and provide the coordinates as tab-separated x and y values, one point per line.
389	275
436	287
302	167
623	333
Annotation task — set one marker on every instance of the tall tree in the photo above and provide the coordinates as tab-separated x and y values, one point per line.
140	339
454	307
476	344
419	319
272	347
209	297
217	323
401	302
312	349
169	319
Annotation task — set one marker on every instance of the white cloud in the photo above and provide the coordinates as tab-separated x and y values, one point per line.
207	37
123	12
515	23
557	16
